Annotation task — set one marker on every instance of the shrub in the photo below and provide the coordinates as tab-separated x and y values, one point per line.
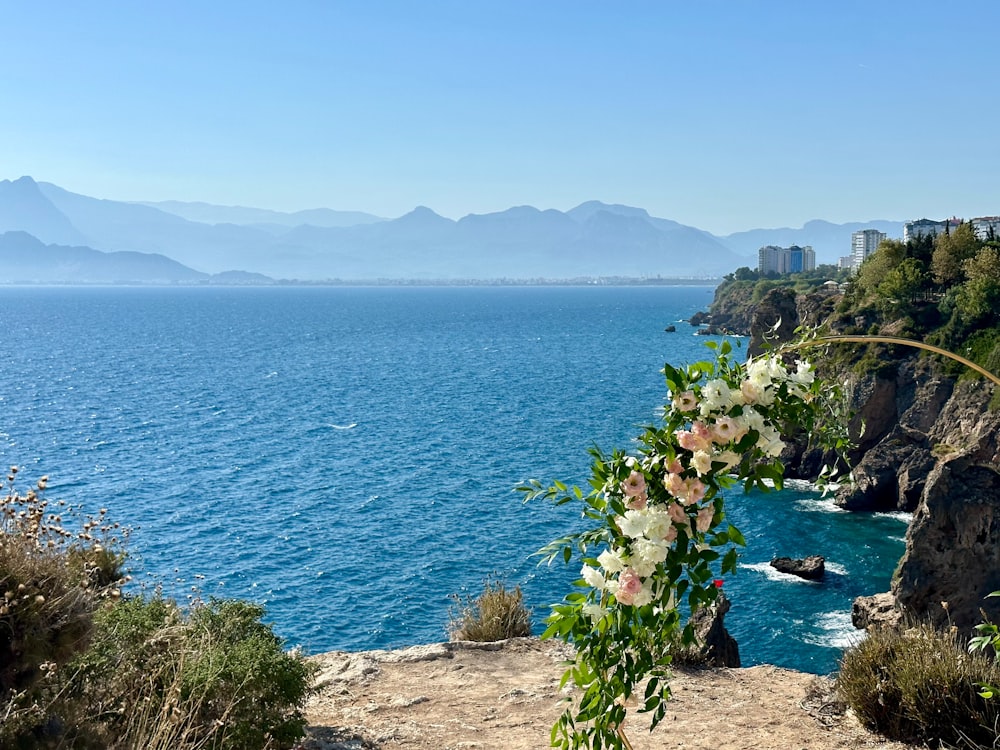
216	677
56	565
83	667
920	685
496	614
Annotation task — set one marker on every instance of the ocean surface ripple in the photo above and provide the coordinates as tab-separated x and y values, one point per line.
346	456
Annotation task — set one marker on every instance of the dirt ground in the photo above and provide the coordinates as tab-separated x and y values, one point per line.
506	696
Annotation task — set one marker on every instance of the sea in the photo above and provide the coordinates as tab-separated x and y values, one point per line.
347	456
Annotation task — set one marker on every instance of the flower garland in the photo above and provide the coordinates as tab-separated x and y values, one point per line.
659	529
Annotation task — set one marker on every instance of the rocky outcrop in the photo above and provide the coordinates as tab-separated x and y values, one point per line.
716	647
926	443
952	558
812	568
876	611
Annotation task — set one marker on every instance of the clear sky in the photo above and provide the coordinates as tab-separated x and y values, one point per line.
723	115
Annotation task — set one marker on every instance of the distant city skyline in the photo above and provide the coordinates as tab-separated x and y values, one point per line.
718	115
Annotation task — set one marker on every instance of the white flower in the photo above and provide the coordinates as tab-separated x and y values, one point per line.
593	577
770	441
633	523
658	525
804	374
612	562
648	552
645	595
714	395
595	612
758	373
702	462
752	419
729	458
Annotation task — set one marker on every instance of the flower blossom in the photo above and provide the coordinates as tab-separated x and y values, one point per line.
634	487
685	401
631	590
632	524
688	491
704	520
611	561
714	396
677	513
727	430
673	466
698	438
702	462
594	578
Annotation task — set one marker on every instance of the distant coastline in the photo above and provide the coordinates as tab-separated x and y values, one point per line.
268	282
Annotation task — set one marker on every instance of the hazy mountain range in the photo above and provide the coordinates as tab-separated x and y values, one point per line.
48	234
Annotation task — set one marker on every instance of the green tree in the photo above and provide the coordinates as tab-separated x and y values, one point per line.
878	266
951	251
902	285
978	298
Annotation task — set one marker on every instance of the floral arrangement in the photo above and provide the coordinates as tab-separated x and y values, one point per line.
659	541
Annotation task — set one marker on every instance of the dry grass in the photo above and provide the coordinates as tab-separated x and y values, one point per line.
921	685
495	615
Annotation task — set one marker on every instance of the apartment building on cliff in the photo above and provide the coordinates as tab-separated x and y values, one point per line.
794	259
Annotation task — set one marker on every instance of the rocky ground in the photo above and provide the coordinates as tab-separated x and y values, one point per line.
506	696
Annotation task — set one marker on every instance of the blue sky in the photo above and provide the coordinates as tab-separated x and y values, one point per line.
723	115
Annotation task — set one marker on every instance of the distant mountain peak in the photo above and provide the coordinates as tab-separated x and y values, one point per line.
588	209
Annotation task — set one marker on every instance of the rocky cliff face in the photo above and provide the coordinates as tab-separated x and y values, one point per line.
926	443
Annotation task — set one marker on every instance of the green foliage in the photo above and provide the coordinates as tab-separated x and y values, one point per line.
83	667
659	538
495	615
919	685
56	566
215	677
950	253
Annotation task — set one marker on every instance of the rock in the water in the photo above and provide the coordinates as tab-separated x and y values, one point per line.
811	568
671	329
716	647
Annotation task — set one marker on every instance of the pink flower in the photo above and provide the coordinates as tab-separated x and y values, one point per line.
704	520
677	513
685	401
698	438
727	429
674	484
694	491
673	466
629	585
639	502
634	485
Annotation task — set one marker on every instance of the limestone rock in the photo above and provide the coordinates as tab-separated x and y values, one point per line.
952	558
716	646
811	568
878	610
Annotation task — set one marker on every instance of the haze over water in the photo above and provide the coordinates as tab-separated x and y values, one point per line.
346	456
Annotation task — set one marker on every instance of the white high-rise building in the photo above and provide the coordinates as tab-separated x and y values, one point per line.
921	227
985	226
794	259
863	244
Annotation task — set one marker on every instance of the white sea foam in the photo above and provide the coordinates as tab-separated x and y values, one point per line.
774	575
350	426
896	515
836	568
818	505
834	630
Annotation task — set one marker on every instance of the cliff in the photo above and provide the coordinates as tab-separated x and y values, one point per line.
928	442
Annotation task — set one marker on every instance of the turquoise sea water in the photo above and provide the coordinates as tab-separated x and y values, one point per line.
346	456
